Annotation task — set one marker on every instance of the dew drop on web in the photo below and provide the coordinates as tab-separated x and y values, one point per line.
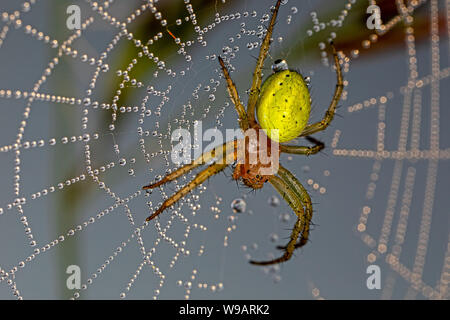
285	217
273	237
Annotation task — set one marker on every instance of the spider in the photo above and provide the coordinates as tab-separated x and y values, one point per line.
283	103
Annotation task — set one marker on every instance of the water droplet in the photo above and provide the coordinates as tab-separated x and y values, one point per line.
274	201
273	237
279	65
238	205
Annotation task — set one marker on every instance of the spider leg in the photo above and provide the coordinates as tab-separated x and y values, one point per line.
257	78
318	145
199	179
204	158
304	197
294	201
232	91
329	115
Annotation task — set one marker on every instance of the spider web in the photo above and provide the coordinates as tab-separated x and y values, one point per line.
87	121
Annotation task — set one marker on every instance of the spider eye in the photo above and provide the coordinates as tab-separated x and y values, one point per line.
279	65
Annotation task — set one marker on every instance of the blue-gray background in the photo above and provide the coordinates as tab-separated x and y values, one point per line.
335	260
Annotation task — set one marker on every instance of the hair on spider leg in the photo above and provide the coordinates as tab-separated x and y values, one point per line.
266	28
324	153
286	229
296	250
267	68
251	55
250	190
338	114
237	185
299	237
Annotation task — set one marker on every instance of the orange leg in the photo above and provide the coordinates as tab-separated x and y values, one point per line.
230	156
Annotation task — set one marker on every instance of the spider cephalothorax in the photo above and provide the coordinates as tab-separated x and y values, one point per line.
283	104
255	158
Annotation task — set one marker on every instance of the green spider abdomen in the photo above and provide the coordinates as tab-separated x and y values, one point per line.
284	103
